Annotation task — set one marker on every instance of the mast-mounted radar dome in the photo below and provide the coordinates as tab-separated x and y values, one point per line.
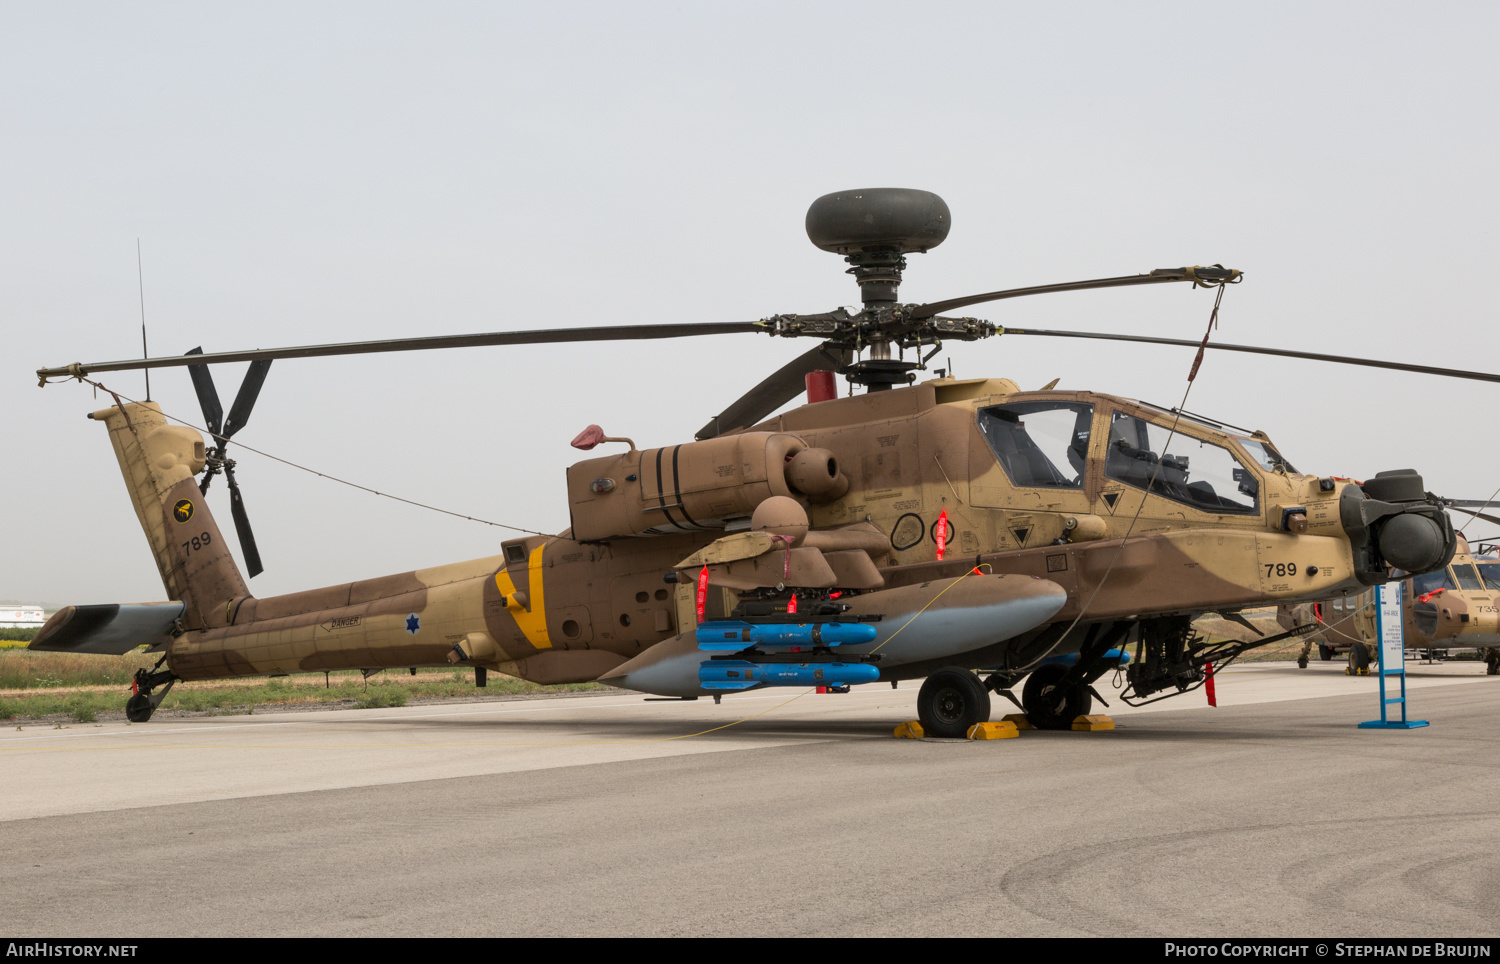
873	229
894	219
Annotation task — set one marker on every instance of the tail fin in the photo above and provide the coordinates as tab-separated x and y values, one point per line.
159	461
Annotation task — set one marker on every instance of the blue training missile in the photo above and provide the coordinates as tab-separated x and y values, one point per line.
739	674
730	635
946	619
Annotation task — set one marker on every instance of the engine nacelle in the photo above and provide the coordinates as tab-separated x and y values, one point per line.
691	487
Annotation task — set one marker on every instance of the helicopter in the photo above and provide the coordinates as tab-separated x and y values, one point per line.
960	531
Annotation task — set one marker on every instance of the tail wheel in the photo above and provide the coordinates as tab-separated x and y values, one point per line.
1049	706
951	701
138	708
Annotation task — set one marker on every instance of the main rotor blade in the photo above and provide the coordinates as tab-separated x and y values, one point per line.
242	525
1252	349
541	337
775	391
1471	504
208	396
239	412
1197	275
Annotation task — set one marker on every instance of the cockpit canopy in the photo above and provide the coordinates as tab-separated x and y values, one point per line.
1045	444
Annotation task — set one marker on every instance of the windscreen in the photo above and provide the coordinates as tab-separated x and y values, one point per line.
1268	458
1467	577
1192	471
1490	573
1431	582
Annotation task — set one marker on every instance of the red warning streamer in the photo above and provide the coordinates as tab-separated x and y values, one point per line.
702	591
942	534
1208	670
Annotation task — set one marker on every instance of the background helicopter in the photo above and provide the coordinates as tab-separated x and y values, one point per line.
1046	483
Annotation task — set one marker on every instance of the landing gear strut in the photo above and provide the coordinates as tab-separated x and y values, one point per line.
1492	662
951	701
1057	693
139	707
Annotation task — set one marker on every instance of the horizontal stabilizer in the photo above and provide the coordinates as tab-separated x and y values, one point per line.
112	629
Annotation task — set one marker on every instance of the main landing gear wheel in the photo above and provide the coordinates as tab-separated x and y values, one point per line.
1325	653
1050	707
1359	660
951	701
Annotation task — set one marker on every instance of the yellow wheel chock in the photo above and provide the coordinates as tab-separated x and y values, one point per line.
994	731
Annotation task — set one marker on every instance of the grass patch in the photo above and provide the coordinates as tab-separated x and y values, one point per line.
381	697
22	669
244	696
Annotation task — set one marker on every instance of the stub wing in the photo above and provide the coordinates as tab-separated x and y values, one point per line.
110	630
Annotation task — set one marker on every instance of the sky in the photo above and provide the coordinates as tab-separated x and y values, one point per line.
304	173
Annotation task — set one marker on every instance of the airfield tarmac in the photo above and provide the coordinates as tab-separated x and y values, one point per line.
610	815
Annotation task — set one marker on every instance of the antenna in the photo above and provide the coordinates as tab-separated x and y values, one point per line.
141	279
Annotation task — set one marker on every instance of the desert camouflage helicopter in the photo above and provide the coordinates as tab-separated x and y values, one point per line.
920	529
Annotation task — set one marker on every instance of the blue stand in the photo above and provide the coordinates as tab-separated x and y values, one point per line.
1392	659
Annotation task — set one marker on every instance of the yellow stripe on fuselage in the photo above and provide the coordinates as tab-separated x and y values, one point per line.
534	622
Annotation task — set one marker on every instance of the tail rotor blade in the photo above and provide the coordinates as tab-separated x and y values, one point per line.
242	525
239	412
208	397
